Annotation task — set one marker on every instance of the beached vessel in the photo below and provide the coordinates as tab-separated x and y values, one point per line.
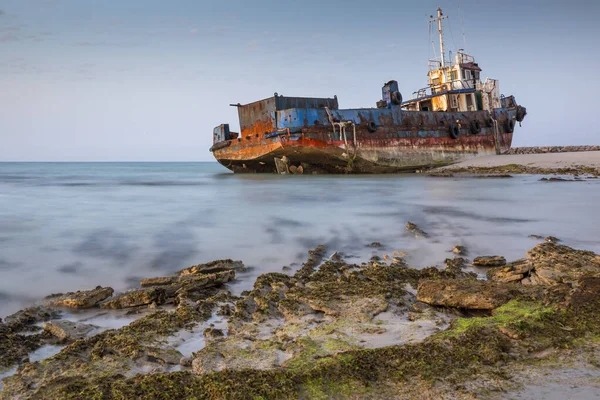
458	116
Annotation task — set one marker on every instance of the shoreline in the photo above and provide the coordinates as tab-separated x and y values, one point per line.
550	163
330	328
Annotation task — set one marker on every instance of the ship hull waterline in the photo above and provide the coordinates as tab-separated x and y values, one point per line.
258	155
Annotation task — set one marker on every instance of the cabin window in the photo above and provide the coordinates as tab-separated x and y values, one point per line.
454	101
476	75
435	81
453	75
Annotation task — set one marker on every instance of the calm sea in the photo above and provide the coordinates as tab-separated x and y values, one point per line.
70	226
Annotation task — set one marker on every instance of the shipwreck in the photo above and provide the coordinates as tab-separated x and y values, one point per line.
456	117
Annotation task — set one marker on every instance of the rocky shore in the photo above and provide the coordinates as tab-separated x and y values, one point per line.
330	329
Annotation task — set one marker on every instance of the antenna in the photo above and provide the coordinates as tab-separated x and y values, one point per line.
462	26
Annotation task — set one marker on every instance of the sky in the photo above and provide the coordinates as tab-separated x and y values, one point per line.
108	80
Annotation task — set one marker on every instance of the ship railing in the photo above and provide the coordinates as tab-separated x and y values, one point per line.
420	93
434	64
342	128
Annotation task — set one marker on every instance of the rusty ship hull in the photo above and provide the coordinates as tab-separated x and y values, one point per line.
378	142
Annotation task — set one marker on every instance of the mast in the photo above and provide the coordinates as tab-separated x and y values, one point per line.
441	33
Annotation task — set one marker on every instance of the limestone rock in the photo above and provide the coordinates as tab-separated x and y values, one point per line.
136	298
158	281
513	272
415	230
489	261
467	294
213	267
554	263
460	250
67	330
80	299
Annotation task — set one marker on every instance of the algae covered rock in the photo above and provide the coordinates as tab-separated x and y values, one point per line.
468	294
158	281
136	298
489	261
67	330
29	316
213	267
80	299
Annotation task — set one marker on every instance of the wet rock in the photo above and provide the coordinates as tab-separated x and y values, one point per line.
495	176
460	250
213	267
539	237
513	272
80	299
167	355
440	174
551	239
554	263
195	282
67	330
186	362
136	298
454	269
315	256
213	333
587	293
158	281
15	347
489	261
24	318
415	230
376	245
468	294
420	310
556	179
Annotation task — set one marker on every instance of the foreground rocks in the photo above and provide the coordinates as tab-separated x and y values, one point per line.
336	330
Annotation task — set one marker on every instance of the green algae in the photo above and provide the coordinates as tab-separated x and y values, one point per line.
513	313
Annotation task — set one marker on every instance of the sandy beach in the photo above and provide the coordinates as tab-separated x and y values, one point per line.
550	160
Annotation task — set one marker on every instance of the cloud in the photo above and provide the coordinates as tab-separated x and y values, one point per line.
194	31
1	12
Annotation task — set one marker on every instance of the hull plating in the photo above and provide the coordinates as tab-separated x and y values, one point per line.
322	152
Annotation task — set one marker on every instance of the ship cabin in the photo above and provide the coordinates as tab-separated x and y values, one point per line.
455	88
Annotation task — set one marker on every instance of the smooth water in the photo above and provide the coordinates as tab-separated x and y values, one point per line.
71	226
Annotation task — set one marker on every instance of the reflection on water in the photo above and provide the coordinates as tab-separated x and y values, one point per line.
70	226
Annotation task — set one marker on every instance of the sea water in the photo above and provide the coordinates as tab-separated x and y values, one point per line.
74	226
